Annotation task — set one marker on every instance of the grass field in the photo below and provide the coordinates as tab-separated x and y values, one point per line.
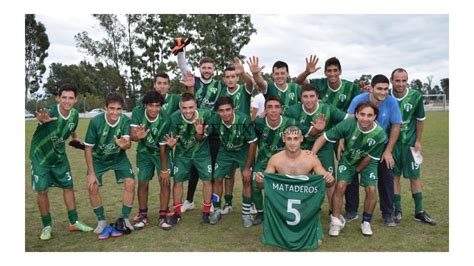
229	234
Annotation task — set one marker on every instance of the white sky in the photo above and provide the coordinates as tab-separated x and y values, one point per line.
365	44
460	59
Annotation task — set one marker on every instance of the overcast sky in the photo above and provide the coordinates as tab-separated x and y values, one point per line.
365	44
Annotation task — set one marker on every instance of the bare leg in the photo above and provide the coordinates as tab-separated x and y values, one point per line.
143	194
337	198
43	202
129	191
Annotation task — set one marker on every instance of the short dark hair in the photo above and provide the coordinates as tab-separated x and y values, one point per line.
379	78
114	97
309	87
223	100
153	97
397	70
67	87
272	98
280	64
333	61
186	97
161	75
365	104
206	59
229	68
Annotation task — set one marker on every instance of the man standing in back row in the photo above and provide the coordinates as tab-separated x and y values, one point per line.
412	110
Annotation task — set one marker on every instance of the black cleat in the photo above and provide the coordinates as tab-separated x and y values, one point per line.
205	218
175	219
258	218
425	218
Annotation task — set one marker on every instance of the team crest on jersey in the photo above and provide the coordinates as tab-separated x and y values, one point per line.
342	168
371	142
408	107
154	131
105	133
354	137
291	95
342	97
71	126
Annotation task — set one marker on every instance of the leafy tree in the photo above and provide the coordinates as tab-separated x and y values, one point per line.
445	86
416	84
219	36
109	51
36	46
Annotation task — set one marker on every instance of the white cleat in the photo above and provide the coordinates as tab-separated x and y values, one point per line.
100	227
187	206
366	229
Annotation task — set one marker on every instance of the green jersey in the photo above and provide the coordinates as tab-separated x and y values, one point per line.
101	135
292	205
207	94
411	109
357	143
236	136
171	105
47	145
270	140
304	119
158	127
341	97
240	97
187	143
291	95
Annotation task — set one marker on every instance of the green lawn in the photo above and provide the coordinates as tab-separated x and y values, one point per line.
229	234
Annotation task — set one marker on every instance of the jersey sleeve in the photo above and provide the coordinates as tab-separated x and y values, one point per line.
135	122
126	127
336	133
250	135
165	131
395	115
353	105
420	109
76	118
91	134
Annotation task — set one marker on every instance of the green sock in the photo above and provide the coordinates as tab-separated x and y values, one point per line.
228	199
72	215
99	213
126	211
46	219
397	201
216	204
418	197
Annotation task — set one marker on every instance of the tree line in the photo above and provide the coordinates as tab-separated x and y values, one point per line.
138	47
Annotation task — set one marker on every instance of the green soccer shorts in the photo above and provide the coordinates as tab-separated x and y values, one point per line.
227	161
121	167
147	163
368	175
43	177
183	164
404	163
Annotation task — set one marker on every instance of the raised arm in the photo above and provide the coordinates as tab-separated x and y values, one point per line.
310	69
239	69
256	73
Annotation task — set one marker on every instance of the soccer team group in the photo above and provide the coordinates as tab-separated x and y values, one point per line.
372	133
